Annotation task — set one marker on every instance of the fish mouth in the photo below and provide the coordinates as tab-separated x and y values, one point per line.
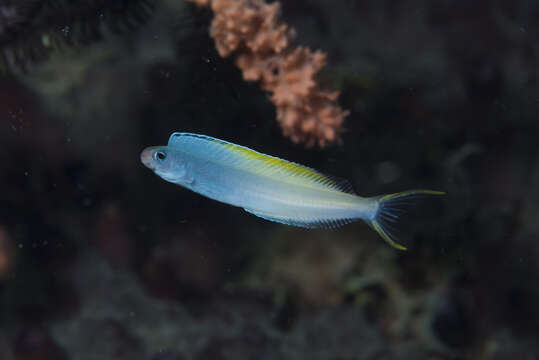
146	157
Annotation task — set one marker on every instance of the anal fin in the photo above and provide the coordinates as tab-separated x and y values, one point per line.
304	223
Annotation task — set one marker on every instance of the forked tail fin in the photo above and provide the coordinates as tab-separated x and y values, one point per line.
390	207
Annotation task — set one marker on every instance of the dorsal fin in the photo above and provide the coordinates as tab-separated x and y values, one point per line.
255	162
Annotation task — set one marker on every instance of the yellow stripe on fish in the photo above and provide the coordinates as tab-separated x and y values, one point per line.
255	162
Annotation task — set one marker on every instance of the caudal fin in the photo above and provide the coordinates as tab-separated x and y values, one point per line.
390	207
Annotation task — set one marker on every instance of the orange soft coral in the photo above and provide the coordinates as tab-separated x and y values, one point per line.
265	53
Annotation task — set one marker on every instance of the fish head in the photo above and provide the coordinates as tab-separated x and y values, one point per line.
166	162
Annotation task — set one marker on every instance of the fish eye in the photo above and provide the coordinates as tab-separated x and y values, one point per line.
159	155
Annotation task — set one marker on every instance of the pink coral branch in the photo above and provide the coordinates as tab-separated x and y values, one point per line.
263	43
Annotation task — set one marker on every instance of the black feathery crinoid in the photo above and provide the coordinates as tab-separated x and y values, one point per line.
31	29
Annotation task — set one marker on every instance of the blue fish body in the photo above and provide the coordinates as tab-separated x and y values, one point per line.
269	187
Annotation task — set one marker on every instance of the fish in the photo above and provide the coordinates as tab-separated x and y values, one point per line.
273	188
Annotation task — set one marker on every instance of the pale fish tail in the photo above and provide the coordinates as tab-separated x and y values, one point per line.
390	207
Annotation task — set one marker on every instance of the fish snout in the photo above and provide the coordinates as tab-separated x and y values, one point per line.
146	157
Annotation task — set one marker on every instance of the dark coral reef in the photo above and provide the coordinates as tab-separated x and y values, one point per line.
31	29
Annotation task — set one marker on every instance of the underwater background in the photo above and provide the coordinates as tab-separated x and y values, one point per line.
101	259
